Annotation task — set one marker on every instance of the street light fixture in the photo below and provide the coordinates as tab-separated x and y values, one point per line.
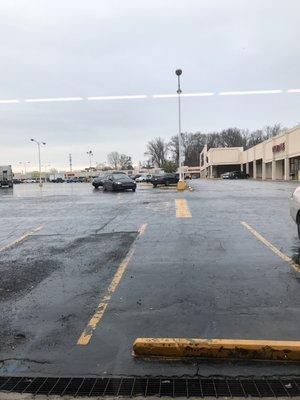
90	154
39	151
181	184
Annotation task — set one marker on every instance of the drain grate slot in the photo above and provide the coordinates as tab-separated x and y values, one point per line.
169	387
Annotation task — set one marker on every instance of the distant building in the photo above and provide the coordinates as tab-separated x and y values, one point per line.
277	158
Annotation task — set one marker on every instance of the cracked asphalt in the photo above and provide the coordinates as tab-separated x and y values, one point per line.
204	276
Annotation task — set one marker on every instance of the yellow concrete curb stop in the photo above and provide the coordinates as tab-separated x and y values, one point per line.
181	186
218	348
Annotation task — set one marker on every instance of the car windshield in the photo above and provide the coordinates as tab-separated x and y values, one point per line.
120	177
150	222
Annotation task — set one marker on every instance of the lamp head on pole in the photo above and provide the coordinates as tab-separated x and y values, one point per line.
178	72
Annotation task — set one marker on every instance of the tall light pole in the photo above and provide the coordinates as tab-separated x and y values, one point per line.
90	154
181	184
24	165
40	166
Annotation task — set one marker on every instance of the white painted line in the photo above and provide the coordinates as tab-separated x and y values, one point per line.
167	96
20	239
53	99
13	101
144	96
250	92
140	96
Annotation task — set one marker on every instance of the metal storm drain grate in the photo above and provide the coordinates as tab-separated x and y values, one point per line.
172	387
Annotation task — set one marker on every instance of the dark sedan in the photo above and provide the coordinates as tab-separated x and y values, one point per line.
118	181
164	179
98	181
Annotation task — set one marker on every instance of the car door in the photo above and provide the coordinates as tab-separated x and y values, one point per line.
170	178
108	182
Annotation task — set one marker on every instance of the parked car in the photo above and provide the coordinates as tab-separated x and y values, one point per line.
135	176
118	181
235	175
295	208
30	181
73	180
58	180
142	178
164	179
99	180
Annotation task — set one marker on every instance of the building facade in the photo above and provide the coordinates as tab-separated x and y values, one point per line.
277	158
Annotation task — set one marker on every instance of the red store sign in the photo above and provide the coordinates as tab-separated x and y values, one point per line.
278	148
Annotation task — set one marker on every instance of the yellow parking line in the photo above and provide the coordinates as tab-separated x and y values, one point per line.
182	209
21	239
279	253
142	229
86	335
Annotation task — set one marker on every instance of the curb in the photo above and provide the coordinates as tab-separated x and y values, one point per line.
218	348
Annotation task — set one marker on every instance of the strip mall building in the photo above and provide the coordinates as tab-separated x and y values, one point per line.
277	158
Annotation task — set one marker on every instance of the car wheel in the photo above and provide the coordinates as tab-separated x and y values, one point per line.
133	189
104	188
154	186
166	183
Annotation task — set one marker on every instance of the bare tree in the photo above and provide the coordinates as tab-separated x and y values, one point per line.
147	164
125	162
157	149
273	130
260	135
192	143
232	137
113	159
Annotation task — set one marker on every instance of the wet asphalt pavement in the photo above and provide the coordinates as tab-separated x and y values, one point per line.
205	276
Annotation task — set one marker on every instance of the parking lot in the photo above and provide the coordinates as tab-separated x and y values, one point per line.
85	272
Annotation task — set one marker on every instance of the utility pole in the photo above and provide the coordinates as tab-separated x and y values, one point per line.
181	184
70	162
24	166
90	154
39	153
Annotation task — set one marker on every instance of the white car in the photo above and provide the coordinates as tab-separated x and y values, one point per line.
142	178
295	208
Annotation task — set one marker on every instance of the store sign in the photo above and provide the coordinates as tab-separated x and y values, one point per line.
278	148
193	169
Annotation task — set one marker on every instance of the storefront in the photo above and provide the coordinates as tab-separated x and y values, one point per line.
277	158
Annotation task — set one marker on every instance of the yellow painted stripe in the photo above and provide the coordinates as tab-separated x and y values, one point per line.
218	348
142	229
21	239
86	335
279	253
182	209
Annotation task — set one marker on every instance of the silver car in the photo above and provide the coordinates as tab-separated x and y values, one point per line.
295	208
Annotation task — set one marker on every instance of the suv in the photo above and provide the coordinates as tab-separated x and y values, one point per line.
164	179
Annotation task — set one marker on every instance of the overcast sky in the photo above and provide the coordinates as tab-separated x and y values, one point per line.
67	48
